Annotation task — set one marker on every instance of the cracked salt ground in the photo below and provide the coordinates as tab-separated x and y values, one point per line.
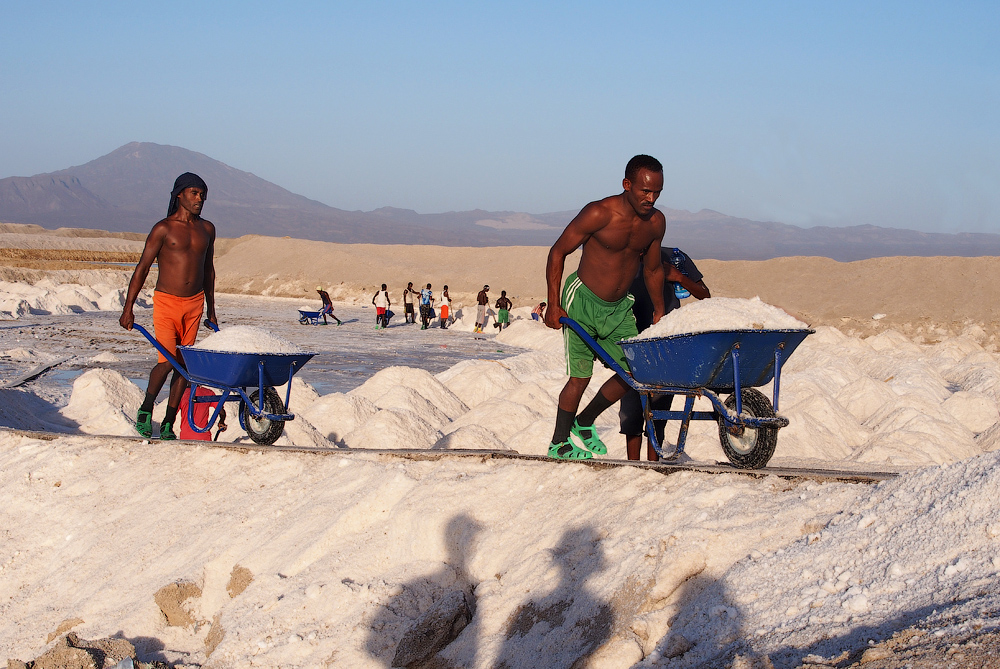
351	554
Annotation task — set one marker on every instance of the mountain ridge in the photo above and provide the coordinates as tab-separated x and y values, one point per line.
127	190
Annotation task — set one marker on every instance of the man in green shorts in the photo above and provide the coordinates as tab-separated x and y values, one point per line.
616	233
503	311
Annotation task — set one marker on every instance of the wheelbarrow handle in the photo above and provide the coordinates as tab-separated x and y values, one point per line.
599	351
164	352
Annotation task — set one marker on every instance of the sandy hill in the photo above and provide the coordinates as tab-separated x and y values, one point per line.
821	291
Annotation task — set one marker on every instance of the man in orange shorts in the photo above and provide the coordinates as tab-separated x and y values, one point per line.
183	246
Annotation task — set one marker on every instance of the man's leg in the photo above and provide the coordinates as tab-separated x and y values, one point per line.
178	384
612	391
633	445
569	402
144	419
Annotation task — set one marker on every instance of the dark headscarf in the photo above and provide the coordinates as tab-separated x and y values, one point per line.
186	180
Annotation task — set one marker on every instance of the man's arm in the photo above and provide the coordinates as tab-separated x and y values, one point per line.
154	241
592	218
652	274
210	276
698	289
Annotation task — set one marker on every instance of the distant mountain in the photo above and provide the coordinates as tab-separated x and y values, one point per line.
127	191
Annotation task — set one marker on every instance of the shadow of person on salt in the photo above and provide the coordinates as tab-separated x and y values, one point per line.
426	614
705	625
568	623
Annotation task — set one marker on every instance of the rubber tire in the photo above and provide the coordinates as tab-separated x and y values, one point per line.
263	431
755	447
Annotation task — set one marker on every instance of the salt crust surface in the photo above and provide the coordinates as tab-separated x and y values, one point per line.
345	545
722	313
247	339
47	297
349	551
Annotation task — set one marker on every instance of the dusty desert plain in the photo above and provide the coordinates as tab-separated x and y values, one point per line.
407	518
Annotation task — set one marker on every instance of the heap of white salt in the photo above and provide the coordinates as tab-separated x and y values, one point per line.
723	313
247	339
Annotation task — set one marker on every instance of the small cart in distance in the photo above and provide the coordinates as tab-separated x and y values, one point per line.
307	317
706	364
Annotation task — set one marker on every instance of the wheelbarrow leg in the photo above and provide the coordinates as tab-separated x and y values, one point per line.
647	412
685	424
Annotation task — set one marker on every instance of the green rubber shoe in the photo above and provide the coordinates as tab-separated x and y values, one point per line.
144	423
167	432
567	450
588	435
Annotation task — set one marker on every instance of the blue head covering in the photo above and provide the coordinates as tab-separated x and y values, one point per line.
186	180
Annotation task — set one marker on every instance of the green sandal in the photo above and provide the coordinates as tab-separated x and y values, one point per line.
588	435
567	450
167	432
144	423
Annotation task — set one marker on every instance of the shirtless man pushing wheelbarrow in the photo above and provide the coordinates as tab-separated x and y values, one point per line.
616	233
183	246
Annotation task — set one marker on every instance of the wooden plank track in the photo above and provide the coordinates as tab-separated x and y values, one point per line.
429	455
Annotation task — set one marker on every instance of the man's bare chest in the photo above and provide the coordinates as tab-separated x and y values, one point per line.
624	236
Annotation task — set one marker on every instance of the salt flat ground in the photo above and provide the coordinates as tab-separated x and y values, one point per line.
332	558
347	355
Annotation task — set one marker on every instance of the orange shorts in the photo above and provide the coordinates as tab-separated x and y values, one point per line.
176	320
444	312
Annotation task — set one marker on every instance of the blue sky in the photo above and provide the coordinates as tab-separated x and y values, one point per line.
809	113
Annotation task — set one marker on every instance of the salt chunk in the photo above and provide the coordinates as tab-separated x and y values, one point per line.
856	604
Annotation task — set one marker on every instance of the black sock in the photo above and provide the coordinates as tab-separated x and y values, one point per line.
593	410
564	421
170	415
148	402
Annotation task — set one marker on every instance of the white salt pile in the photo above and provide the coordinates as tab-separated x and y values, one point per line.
723	313
46	297
247	339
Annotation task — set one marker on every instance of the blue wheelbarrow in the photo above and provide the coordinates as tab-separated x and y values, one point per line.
707	364
262	413
307	317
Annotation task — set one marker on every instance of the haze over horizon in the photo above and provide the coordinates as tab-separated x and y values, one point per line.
847	114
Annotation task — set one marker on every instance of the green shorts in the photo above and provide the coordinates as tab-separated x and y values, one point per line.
503	316
607	322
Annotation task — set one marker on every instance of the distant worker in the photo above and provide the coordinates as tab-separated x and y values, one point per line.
426	306
503	311
183	246
408	294
680	271
381	301
445	310
327	306
483	300
538	313
616	233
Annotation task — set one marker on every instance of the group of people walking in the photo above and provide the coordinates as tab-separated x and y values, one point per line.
425	300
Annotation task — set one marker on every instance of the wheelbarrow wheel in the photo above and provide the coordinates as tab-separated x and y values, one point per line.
749	447
263	431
